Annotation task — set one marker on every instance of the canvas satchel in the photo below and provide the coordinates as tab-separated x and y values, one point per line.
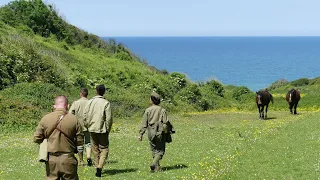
43	150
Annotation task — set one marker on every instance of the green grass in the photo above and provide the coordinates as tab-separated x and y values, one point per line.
212	145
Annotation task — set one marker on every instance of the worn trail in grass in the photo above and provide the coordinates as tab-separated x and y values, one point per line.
224	145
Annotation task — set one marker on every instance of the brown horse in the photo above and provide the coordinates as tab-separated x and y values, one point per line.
293	98
263	98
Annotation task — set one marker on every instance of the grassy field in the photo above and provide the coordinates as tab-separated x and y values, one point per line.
211	145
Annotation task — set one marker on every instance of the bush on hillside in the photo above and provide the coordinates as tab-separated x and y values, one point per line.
213	86
314	81
239	93
300	82
123	53
180	80
22	63
25	103
277	84
192	95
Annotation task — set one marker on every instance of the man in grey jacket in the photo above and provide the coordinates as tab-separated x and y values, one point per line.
98	120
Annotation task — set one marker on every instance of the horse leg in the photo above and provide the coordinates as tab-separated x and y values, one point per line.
262	112
265	117
295	108
290	107
259	109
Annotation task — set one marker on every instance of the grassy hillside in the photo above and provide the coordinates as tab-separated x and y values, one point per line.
43	56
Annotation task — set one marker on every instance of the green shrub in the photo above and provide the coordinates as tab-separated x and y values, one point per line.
277	84
300	82
23	63
179	80
239	92
192	95
213	87
25	103
314	81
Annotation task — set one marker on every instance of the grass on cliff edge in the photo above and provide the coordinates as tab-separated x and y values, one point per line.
221	145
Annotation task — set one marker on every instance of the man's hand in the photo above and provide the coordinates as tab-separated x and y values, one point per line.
140	138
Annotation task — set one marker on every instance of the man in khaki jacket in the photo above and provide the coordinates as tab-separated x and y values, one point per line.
155	120
98	120
64	134
77	109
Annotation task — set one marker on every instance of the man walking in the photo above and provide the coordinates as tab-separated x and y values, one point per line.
155	120
98	120
77	109
64	134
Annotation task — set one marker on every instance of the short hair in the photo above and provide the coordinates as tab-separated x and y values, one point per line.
84	92
62	99
155	100
101	89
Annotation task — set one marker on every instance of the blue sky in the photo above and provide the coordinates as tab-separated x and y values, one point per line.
192	18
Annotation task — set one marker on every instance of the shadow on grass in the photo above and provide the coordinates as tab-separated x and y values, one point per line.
177	166
112	162
270	118
118	171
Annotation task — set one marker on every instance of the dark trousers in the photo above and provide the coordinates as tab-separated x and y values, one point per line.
100	148
158	145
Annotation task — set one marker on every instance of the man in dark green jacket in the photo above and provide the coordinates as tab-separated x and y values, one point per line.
155	121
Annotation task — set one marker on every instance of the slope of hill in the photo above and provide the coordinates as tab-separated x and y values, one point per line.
41	55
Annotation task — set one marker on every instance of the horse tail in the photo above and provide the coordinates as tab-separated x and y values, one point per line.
271	98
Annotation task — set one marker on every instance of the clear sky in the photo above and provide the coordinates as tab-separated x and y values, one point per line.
192	17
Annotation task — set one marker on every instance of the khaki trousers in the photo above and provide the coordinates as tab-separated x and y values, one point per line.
100	148
64	166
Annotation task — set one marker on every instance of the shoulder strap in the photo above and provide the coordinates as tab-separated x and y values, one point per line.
66	136
57	123
57	128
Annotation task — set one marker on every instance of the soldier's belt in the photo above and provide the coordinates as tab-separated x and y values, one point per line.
70	154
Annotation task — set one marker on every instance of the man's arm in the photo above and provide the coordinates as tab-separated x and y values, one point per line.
144	125
85	114
108	114
79	134
39	134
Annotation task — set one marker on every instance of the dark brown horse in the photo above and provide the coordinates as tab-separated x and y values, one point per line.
293	98
263	98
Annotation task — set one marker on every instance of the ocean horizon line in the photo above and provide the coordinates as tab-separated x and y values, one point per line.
253	36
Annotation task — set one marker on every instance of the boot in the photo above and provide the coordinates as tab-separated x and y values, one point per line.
155	163
157	168
89	161
98	172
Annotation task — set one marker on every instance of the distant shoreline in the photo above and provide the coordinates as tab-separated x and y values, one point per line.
252	61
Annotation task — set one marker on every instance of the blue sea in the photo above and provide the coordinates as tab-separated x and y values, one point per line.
255	62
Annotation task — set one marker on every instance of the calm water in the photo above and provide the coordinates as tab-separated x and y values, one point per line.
254	62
